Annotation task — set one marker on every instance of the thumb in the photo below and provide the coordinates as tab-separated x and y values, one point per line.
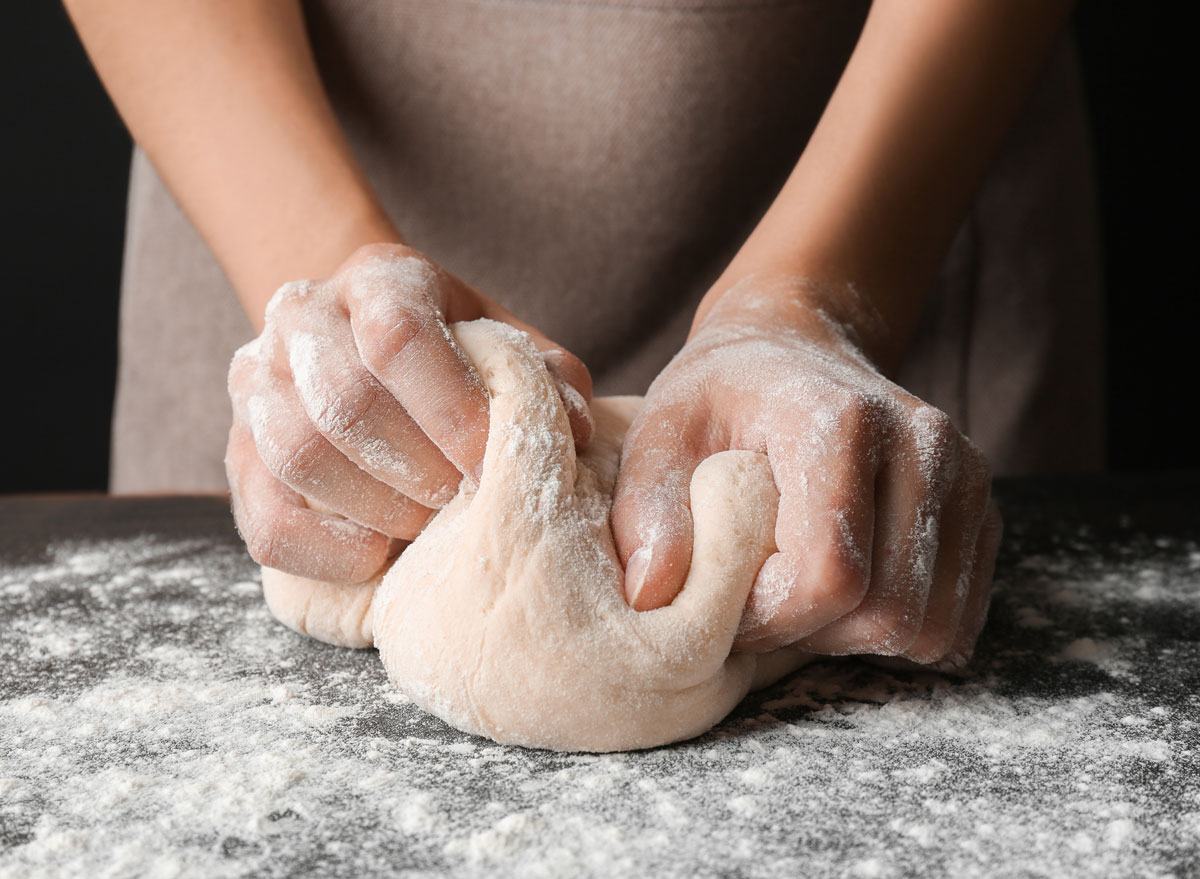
651	514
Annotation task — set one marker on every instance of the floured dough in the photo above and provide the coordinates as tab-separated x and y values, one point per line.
506	619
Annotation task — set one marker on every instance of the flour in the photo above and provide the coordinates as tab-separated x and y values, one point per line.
336	397
223	745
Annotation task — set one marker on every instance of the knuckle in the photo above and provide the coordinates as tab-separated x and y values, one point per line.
934	444
244	365
870	407
287	299
390	271
347	407
853	410
294	459
373	252
394	336
245	357
933	429
860	422
410	326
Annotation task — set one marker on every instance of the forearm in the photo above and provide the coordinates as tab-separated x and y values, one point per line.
874	201
225	99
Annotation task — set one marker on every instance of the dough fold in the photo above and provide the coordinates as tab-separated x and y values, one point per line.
506	619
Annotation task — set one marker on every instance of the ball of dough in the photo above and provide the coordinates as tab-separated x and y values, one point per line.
506	617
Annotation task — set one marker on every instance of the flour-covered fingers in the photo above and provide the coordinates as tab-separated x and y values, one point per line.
395	302
824	531
564	369
651	514
282	532
357	415
298	455
910	494
573	381
961	523
570	375
358	398
975	610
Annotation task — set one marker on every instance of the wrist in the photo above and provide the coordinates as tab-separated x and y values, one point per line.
831	312
313	251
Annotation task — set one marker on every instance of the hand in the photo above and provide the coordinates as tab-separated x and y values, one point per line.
356	415
886	536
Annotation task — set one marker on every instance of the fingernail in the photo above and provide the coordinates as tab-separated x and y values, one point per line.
635	574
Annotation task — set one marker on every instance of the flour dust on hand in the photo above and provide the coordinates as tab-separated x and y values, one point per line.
506	616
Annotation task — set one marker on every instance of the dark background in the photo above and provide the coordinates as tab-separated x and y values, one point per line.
65	167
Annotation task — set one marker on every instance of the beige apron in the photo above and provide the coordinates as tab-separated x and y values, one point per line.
594	166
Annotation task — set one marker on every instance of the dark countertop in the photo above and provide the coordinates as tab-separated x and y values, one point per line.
154	720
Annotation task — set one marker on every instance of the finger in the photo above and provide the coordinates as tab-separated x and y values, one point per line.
568	371
281	532
296	453
561	365
961	522
402	336
824	532
651	514
910	491
357	415
975	612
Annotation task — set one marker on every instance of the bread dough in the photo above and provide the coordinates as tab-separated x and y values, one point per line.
506	617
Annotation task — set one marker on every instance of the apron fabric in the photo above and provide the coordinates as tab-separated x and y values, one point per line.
594	166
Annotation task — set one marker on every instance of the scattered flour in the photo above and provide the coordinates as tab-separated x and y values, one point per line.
154	721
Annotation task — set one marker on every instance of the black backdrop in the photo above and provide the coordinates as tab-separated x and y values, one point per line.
65	167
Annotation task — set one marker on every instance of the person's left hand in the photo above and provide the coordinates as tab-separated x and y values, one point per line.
886	533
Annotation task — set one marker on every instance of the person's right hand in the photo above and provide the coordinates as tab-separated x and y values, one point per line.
356	414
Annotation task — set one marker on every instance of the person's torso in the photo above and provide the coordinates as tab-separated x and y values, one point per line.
591	165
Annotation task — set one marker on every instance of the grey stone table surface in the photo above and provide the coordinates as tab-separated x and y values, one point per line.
155	721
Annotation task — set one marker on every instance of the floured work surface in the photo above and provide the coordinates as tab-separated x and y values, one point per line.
155	719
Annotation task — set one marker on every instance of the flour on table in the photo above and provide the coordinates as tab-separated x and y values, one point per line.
214	743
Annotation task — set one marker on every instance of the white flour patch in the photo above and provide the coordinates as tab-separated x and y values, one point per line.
155	721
